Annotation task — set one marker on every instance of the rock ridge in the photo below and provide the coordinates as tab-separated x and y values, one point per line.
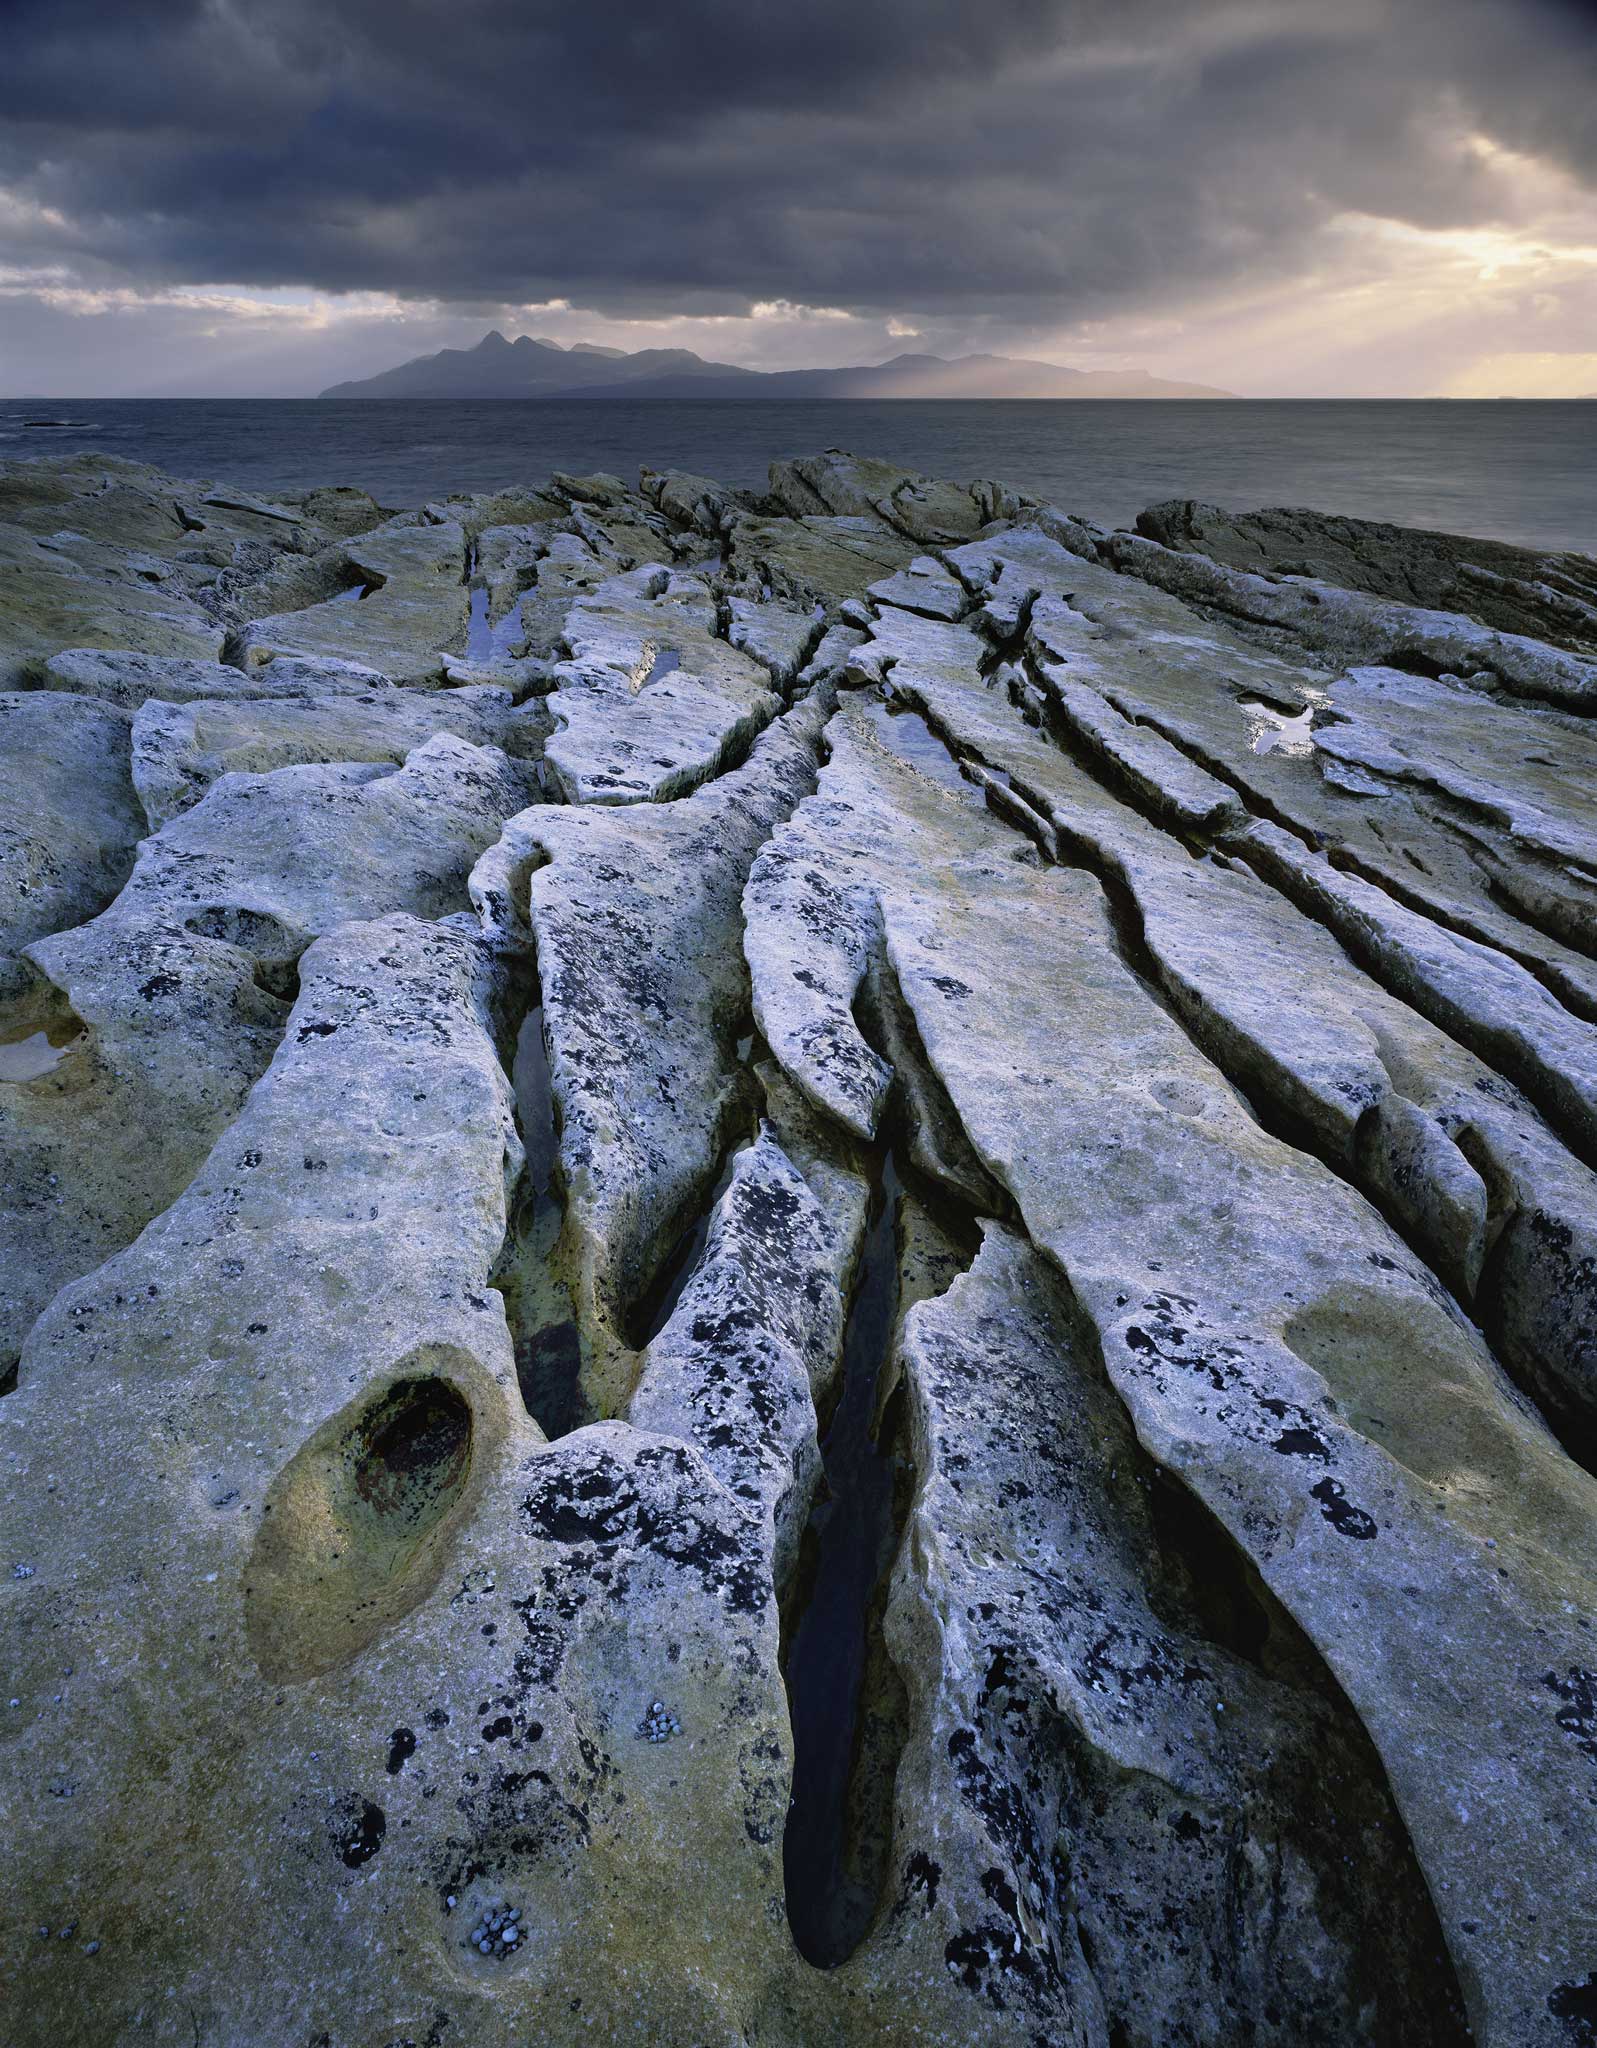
789	1266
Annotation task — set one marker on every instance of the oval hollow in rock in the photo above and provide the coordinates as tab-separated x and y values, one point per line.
355	1527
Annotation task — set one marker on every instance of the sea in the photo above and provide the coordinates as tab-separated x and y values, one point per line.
1515	470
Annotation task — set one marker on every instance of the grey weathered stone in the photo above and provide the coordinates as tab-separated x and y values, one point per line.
1350	626
633	911
1549	595
650	701
1073	1141
780	637
822	559
118	676
1425	1126
182	985
923	509
414	611
1239	712
1423	1529
179	750
689	500
69	821
811	908
1089	1766
923	586
63	594
754	1345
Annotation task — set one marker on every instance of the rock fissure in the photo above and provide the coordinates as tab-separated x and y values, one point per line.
833	1883
538	1306
1409	895
1455	1160
740	1229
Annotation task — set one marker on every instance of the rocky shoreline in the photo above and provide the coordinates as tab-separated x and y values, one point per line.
801	1268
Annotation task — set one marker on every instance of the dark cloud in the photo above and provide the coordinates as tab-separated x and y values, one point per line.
1030	159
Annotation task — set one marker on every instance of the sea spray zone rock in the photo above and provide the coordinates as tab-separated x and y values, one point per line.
182	985
1249	1348
650	701
874	976
632	913
403	609
1189	1767
71	819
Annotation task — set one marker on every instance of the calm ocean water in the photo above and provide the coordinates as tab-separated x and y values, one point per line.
1511	470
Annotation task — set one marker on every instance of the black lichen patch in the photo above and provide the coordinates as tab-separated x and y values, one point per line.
1576	2005
1343	1516
1301	1443
356	1828
510	1820
401	1744
921	1876
1577	1688
652	1504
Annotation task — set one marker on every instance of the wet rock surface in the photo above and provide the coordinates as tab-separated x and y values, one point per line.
788	1267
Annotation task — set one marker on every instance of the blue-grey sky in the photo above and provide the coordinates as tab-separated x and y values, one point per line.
262	196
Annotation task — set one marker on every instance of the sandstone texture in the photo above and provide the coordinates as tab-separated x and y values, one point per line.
797	1267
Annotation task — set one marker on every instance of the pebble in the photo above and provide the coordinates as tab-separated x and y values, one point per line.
659	1724
496	1932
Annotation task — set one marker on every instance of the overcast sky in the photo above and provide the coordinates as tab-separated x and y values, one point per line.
1342	197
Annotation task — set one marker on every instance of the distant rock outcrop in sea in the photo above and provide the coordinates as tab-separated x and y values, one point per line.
806	1266
529	368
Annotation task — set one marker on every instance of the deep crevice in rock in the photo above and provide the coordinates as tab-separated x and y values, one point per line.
835	1611
538	1308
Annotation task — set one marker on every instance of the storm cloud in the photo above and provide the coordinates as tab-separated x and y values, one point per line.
966	167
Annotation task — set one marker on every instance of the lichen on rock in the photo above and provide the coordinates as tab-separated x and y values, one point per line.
789	1266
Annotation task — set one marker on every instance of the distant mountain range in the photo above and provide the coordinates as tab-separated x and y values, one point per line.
529	368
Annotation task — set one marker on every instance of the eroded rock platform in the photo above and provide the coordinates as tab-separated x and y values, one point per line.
787	1268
